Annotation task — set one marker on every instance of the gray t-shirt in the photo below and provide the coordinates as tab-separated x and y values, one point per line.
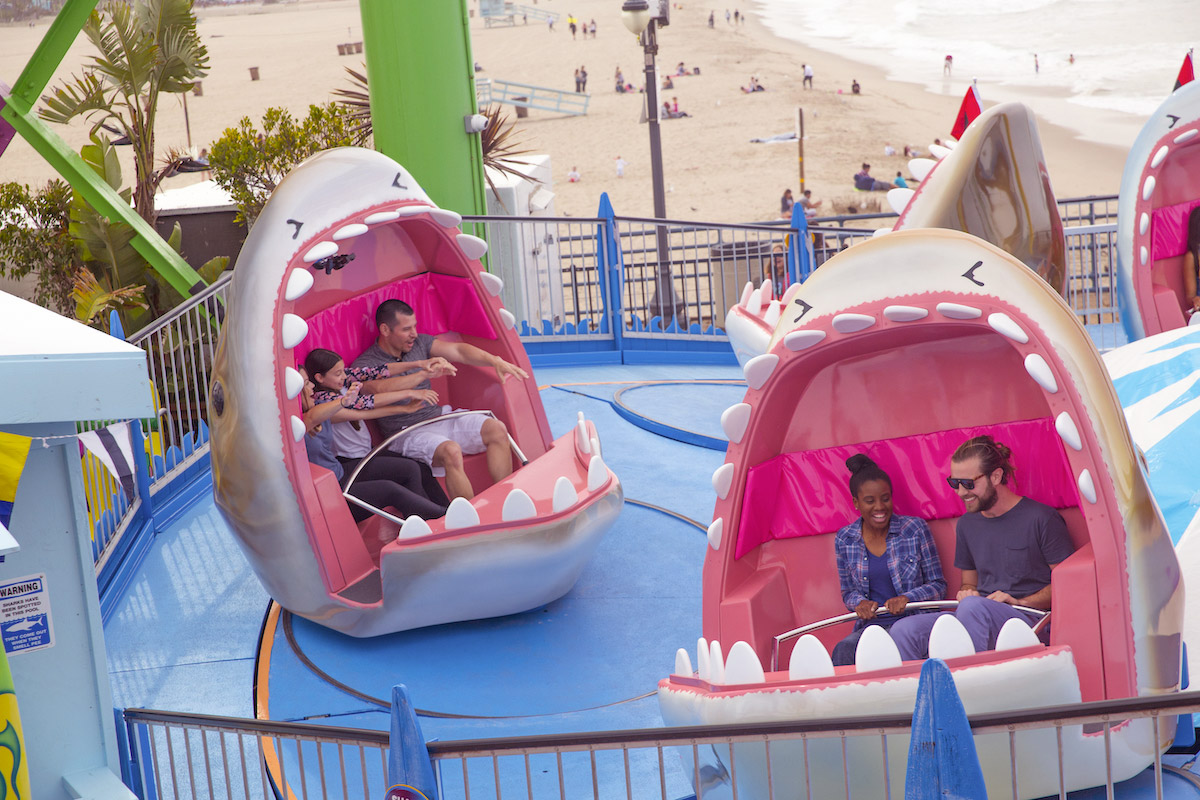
1013	552
375	356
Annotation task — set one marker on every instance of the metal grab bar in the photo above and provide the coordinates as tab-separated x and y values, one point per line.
384	444
917	606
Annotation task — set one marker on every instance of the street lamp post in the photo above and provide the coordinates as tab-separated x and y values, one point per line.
638	18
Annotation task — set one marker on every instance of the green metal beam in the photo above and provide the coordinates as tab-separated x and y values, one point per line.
421	73
18	110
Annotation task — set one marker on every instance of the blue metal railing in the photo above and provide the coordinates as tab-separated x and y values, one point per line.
525	95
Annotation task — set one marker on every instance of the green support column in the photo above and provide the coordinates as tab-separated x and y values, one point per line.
421	53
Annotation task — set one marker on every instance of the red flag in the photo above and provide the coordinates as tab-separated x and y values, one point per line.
971	108
1186	73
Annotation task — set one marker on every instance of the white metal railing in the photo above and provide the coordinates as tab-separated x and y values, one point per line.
191	757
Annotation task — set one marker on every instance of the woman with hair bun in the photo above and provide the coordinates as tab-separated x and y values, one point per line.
884	560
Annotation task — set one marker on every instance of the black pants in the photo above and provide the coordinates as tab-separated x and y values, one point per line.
390	479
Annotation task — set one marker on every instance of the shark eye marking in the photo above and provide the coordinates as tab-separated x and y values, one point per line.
218	398
970	274
396	184
298	225
1174	119
807	308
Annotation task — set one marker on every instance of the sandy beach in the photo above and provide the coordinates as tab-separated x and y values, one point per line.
712	170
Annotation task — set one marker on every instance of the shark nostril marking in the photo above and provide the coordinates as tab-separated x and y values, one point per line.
298	225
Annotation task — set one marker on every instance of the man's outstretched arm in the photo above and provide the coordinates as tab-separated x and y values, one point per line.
464	353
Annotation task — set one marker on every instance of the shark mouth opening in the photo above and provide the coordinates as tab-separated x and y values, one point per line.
1159	190
346	230
902	347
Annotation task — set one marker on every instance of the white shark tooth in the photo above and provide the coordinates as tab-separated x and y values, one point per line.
1144	255
759	369
920	167
517	506
413	210
875	234
743	665
1186	136
292	330
445	217
298	428
1159	156
734	421
1148	187
754	303
461	514
595	445
414	528
508	319
1067	430
949	639
715	530
958	311
493	284
581	435
746	290
716	664
905	313
1040	371
319	251
473	247
1016	634
293	382
1004	324
382	216
722	480
852	323
597	473
349	231
1087	487
1143	224
298	283
799	340
789	294
683	663
938	151
702	662
774	312
898	199
876	650
809	660
564	494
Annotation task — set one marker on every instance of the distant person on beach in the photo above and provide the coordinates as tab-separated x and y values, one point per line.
808	204
888	150
573	175
673	113
571	25
680	69
583	79
712	19
727	16
785	203
736	17
779	270
621	165
948	65
900	182
577	84
911	152
1071	59
667	83
808	76
864	182
550	23
1036	67
854	87
592	28
754	86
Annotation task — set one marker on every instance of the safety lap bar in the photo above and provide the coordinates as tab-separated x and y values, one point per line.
383	445
917	606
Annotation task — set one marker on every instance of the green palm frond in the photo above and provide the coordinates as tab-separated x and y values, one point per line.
357	102
84	96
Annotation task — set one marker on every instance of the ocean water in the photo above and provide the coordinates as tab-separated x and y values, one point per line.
1127	52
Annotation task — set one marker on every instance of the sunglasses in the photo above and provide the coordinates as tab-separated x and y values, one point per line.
966	483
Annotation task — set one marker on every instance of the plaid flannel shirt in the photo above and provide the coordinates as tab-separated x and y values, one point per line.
912	561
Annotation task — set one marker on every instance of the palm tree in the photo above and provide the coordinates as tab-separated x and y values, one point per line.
145	49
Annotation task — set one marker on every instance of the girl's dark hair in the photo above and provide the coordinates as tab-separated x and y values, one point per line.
992	456
320	361
1193	233
863	469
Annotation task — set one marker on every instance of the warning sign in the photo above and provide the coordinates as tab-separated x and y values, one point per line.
25	622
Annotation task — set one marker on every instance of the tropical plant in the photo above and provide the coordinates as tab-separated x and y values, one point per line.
249	162
93	301
35	239
146	48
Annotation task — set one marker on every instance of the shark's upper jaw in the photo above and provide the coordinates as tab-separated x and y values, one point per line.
343	224
1162	171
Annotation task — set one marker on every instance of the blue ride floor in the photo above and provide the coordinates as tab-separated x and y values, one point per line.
183	637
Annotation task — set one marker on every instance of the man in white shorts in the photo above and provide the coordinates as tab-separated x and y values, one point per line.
440	444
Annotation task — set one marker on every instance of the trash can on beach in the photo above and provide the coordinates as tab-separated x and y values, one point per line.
522	111
254	73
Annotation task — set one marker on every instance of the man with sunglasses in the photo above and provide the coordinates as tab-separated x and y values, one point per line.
1006	547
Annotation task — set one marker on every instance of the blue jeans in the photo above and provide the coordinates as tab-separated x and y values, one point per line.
982	618
843	651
